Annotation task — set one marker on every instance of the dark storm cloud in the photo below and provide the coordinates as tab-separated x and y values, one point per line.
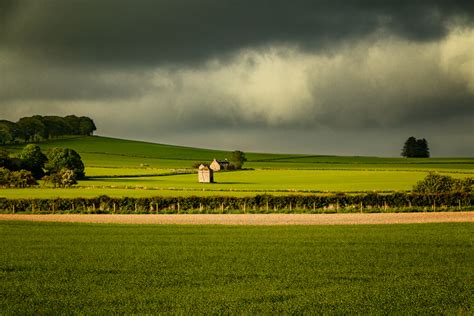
344	77
7	8
30	81
145	32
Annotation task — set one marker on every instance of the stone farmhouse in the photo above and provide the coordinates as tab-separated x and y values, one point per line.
218	165
205	174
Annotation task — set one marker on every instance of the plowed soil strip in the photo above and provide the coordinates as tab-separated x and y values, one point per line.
251	219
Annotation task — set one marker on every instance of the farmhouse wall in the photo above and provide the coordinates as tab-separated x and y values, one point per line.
218	165
205	174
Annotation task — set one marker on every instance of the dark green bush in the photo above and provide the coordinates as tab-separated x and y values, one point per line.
369	202
435	183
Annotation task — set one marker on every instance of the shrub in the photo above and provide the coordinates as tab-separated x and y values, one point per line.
463	185
21	179
32	159
64	158
231	167
5	160
435	183
64	178
4	177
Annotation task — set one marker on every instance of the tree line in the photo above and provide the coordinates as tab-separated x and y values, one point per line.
59	166
36	128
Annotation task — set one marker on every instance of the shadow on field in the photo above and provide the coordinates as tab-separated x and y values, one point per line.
216	182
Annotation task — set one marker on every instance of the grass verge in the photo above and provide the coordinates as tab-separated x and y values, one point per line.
54	268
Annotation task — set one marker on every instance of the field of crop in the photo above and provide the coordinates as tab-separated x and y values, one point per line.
56	268
46	193
101	172
237	183
138	169
271	180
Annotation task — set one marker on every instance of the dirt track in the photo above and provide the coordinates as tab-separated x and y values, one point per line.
254	219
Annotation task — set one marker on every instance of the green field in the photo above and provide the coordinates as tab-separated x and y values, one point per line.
271	180
234	183
54	268
138	169
101	172
118	153
46	193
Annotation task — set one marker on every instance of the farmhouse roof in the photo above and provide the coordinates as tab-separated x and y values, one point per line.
222	162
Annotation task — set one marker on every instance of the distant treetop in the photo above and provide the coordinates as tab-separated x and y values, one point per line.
37	127
416	148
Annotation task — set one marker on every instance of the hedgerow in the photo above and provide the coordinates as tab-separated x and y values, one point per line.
368	202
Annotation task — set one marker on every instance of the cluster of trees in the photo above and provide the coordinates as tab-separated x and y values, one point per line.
60	166
16	179
435	183
416	148
36	128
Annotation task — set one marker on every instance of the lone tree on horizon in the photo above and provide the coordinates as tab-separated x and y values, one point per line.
238	159
416	148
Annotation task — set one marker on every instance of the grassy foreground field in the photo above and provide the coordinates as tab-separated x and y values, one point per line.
49	268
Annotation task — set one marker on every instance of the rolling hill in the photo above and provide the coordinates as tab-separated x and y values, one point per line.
118	168
98	151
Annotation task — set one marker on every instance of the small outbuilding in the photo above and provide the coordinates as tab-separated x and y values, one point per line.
205	174
218	165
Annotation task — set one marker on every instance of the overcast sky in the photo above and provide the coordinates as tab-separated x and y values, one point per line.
320	77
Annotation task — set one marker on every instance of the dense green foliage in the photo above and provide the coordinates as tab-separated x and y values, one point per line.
4	177
64	178
64	158
436	183
33	160
16	179
36	128
370	202
63	165
5	160
415	148
9	132
53	268
237	159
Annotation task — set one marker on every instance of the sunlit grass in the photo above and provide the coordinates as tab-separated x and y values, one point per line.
50	268
238	183
47	193
111	152
116	167
124	172
311	180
